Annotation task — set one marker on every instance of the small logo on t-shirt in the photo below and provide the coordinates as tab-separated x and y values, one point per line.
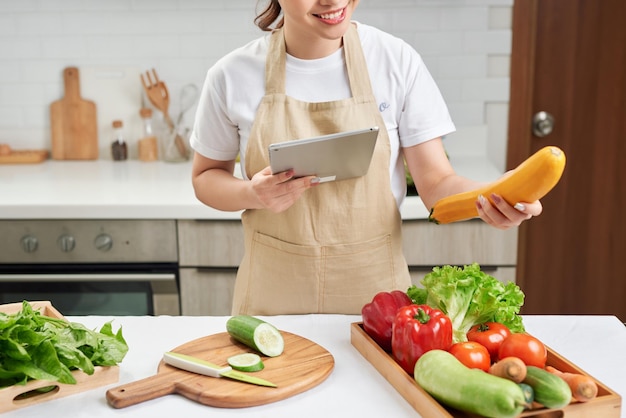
383	106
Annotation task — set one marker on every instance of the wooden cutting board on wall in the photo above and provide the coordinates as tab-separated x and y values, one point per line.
73	122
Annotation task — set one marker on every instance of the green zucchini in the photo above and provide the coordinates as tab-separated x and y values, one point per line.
453	384
256	334
550	390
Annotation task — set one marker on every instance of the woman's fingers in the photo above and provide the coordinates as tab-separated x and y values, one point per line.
278	192
500	214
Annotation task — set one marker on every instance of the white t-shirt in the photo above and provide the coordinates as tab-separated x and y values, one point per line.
409	100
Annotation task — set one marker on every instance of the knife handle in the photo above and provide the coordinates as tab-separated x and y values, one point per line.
195	365
142	390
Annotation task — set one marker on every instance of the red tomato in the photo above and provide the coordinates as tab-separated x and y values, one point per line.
489	334
472	354
526	347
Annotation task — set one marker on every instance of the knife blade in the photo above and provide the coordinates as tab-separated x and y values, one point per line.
196	365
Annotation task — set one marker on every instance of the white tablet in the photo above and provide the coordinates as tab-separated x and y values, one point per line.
331	157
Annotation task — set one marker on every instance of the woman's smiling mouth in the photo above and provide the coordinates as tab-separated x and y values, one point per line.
332	17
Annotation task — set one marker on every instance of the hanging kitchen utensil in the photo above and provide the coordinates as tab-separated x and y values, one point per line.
73	122
158	94
188	97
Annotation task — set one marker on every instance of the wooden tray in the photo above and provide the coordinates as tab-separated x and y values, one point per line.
19	396
607	404
24	157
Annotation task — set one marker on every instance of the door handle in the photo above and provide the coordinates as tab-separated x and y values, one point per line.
88	277
543	124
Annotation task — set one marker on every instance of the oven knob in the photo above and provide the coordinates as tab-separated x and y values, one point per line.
66	243
29	243
103	242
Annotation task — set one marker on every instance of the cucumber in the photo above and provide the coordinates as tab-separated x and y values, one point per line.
550	390
246	362
529	394
256	334
471	390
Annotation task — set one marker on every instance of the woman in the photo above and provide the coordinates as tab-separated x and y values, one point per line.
327	247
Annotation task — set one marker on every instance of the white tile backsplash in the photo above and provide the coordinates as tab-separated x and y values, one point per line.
465	43
488	41
500	17
485	89
497	117
498	65
464	18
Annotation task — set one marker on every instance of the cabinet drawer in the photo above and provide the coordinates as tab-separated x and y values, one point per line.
429	244
210	243
221	243
210	252
207	291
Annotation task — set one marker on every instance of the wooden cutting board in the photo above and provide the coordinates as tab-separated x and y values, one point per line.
26	156
73	122
303	365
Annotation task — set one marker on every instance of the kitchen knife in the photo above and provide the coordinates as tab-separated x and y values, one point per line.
196	365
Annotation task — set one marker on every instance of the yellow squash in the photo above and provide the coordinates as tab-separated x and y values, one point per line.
529	181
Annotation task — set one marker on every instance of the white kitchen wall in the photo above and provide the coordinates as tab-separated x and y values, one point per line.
465	44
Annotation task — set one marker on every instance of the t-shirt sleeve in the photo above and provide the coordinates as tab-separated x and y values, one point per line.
424	115
214	135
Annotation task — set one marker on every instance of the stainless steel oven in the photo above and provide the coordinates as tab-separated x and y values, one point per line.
91	267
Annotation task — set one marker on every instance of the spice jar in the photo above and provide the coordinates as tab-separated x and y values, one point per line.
148	144
119	148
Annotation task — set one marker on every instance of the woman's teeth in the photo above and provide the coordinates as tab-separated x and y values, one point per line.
331	16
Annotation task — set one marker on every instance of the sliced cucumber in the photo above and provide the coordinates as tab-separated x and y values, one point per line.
246	362
256	334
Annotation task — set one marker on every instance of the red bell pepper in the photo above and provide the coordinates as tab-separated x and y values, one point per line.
416	330
378	316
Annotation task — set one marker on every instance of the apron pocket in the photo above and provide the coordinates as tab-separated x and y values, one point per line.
290	278
285	276
372	262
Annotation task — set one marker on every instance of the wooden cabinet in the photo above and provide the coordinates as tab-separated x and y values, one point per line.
427	245
210	252
206	291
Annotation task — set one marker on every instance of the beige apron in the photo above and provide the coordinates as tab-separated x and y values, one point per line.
340	243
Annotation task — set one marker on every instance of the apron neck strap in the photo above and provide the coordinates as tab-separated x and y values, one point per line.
356	65
275	64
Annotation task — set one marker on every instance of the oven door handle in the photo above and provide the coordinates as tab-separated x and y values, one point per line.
111	277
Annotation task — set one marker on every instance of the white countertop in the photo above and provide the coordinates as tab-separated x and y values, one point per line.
101	189
104	189
354	389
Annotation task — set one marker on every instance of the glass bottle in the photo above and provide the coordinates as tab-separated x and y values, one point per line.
148	144
174	148
119	148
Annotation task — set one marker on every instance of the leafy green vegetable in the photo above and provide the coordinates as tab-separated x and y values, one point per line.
469	296
35	346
